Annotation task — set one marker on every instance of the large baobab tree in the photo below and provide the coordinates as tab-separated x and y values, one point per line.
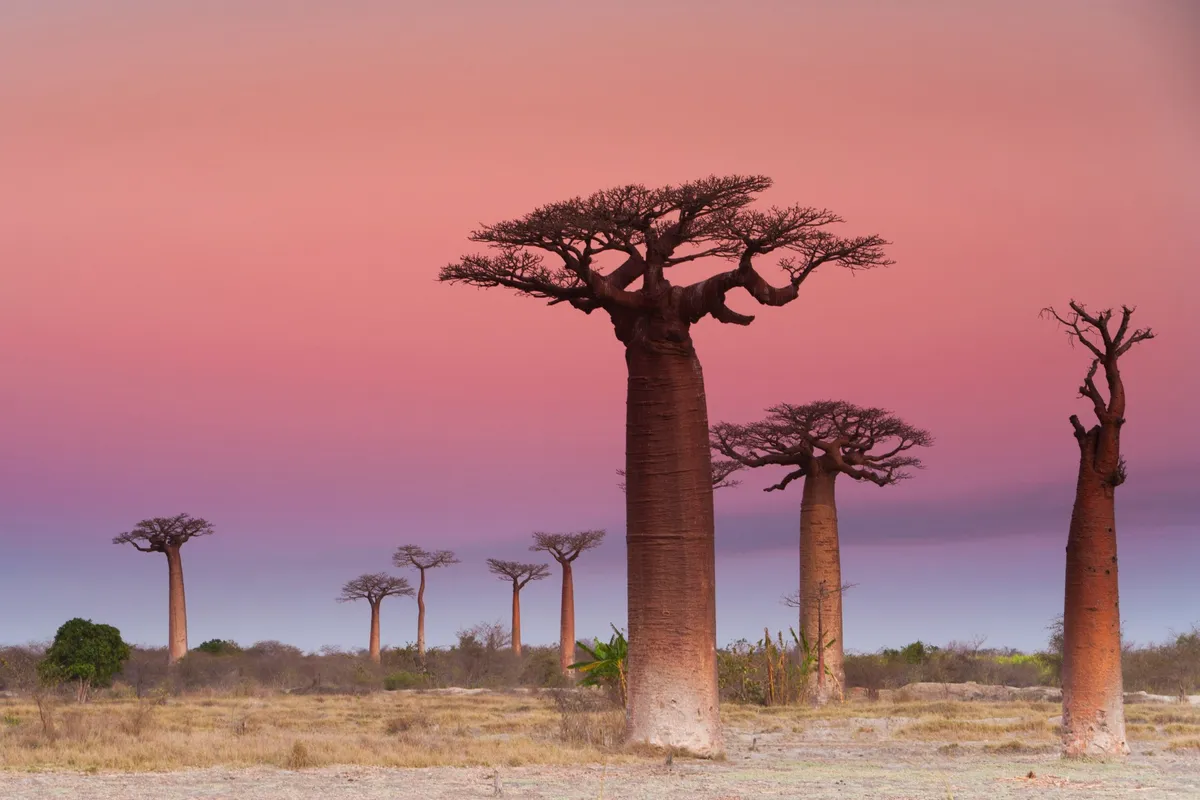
373	588
520	575
721	470
1093	712
818	442
611	252
167	535
565	548
410	555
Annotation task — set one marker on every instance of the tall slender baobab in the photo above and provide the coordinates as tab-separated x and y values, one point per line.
565	548
373	588
167	535
669	509
520	575
1093	710
410	555
821	441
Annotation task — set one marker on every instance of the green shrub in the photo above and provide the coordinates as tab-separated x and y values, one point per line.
404	680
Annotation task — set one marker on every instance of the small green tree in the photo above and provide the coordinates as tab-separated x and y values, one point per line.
85	652
219	647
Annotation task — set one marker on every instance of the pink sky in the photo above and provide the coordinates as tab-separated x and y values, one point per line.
220	229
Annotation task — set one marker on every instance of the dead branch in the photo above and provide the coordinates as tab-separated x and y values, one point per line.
373	587
410	555
158	534
519	573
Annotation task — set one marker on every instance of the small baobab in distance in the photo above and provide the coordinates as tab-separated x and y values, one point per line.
1093	698
410	555
612	252
168	535
373	588
818	442
520	575
565	548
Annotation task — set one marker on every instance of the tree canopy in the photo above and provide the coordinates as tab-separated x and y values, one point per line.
519	573
865	443
157	534
647	231
410	555
374	587
566	547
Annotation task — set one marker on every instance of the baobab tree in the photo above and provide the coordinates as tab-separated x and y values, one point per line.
373	587
820	441
565	548
520	575
167	535
1093	711
410	555
669	508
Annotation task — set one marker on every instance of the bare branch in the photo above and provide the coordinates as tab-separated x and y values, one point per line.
519	573
566	547
373	587
157	534
410	555
793	600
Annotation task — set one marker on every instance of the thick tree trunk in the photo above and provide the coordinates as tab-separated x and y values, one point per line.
566	626
1093	711
821	584
373	648
177	645
516	620
672	693
421	620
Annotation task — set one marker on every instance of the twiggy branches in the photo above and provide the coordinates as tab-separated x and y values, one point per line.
157	534
566	547
869	444
519	573
373	588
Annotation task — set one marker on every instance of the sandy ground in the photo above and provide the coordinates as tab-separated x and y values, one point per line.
779	766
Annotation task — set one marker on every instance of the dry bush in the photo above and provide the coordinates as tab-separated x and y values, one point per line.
589	718
1171	668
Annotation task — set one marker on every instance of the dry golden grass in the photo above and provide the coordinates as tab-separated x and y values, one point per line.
387	729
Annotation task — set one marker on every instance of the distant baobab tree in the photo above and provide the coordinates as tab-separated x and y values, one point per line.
565	548
673	697
821	441
373	588
167	535
1093	710
721	470
520	575
410	555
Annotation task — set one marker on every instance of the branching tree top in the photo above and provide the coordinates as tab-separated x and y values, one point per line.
160	533
520	574
1093	332
410	555
865	443
374	587
554	253
566	547
721	470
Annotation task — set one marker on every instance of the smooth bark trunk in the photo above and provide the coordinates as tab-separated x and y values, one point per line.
566	627
1093	710
177	645
672	692
821	585
516	620
374	645
421	620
